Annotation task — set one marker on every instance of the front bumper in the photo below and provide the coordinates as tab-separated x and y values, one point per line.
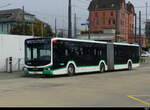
37	71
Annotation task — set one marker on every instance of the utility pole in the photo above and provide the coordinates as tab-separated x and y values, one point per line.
23	21
135	26
139	23
146	10
69	20
75	25
140	28
55	27
140	40
116	26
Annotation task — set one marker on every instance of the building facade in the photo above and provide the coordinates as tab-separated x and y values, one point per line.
116	15
10	17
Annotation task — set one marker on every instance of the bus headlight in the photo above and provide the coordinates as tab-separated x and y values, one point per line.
47	69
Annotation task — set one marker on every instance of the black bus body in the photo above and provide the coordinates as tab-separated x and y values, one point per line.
59	56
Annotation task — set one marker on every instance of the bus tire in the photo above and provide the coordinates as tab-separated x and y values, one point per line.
71	70
102	68
129	66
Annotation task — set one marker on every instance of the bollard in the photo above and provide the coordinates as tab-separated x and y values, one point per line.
19	60
10	64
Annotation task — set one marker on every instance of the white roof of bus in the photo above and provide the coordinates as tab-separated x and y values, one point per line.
93	41
82	40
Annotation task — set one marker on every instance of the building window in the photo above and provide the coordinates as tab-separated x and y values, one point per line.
122	22
111	14
96	19
2	27
132	26
7	27
112	21
96	14
104	16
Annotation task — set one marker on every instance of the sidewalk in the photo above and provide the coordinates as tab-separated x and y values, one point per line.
147	61
5	75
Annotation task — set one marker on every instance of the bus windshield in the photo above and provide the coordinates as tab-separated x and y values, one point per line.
38	52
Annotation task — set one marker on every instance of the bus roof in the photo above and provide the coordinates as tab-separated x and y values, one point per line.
93	41
124	43
87	41
81	40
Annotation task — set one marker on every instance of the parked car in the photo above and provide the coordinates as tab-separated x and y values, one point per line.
145	54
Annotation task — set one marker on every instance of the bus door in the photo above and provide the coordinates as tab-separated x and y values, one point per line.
110	56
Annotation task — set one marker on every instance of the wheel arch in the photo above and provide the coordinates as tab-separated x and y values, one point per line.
130	61
103	62
71	62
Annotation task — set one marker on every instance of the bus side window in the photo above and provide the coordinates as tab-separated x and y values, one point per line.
100	53
95	52
66	52
81	51
77	51
55	53
115	51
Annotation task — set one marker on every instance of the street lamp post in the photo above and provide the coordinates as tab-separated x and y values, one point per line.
69	20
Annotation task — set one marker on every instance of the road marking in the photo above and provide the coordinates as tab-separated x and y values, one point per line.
134	97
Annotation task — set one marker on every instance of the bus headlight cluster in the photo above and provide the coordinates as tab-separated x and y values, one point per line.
47	69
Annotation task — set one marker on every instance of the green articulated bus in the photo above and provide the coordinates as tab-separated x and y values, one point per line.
57	56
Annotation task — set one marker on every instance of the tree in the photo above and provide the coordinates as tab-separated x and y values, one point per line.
17	29
38	28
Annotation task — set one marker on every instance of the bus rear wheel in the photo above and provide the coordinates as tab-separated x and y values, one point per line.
102	68
71	70
130	66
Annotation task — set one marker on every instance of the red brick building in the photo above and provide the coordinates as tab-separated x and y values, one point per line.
112	14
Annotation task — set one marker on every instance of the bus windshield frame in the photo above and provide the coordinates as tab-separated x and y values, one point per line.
37	52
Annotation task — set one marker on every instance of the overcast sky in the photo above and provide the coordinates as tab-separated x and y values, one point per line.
48	10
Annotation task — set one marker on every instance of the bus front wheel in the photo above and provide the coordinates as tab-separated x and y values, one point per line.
102	68
71	70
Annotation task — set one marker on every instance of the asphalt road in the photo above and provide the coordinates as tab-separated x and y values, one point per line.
110	89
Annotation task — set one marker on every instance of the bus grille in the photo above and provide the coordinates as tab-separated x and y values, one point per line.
35	69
